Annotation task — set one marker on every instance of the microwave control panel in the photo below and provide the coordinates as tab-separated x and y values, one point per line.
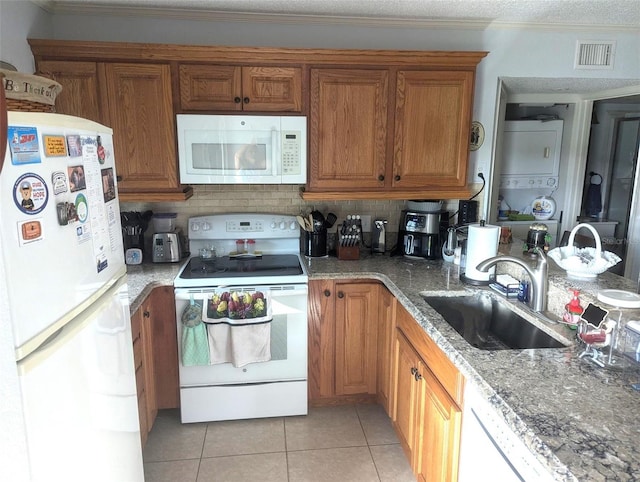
291	148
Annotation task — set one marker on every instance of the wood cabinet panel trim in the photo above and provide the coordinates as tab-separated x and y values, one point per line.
104	51
447	374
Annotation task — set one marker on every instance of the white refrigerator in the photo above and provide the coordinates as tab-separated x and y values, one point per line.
64	299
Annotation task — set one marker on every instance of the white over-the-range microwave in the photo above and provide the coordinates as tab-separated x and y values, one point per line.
242	149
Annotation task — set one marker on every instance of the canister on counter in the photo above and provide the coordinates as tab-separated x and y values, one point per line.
537	237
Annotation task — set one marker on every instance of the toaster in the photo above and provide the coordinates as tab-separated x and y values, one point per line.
166	247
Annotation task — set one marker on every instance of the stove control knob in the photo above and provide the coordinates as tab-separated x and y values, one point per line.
273	225
206	226
195	226
292	225
282	225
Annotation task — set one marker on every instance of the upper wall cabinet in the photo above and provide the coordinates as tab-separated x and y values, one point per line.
138	107
432	119
389	130
348	129
79	82
234	88
383	124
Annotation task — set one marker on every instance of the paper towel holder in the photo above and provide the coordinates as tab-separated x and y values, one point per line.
463	274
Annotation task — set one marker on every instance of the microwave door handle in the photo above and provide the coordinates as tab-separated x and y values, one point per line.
275	148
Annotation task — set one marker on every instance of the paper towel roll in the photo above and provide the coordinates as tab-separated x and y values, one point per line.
482	243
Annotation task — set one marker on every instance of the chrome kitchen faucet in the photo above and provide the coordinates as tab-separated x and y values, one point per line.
539	277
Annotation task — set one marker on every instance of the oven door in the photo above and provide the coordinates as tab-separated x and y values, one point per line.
288	339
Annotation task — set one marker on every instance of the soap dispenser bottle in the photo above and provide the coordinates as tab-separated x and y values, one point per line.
573	310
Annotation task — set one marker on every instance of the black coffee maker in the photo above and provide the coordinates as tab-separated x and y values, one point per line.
421	234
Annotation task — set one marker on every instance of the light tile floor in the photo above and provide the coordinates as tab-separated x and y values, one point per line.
330	444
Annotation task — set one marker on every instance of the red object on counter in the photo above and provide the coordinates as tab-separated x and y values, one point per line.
591	337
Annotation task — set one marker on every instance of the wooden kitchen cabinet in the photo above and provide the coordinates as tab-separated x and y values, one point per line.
165	347
342	341
432	125
79	81
426	412
135	100
386	339
142	334
369	139
348	129
155	352
240	88
138	106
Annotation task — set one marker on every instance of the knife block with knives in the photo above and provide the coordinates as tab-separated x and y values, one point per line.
350	238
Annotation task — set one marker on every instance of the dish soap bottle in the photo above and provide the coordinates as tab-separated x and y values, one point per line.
573	310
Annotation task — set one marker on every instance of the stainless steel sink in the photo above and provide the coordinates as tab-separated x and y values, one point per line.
490	324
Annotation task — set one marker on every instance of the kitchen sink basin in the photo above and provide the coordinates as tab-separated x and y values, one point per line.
490	324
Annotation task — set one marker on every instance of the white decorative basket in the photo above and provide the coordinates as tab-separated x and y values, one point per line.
584	262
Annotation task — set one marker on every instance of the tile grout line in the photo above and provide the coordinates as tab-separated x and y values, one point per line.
286	449
364	432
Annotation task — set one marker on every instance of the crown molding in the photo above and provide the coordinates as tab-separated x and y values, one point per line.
67	8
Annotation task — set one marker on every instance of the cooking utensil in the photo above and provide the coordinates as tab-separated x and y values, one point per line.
304	223
330	221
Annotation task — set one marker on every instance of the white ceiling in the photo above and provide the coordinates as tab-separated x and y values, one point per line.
623	14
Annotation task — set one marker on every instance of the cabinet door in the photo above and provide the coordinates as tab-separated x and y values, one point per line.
165	348
404	414
321	339
348	129
139	109
386	331
235	88
210	87
432	125
138	361
79	96
356	338
146	335
272	89
438	435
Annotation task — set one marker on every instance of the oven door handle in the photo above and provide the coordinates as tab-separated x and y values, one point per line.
187	294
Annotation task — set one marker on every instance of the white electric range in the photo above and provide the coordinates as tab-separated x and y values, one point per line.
227	390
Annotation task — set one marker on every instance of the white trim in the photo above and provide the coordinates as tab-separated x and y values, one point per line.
77	8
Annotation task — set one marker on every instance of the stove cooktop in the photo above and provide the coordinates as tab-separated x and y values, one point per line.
226	267
266	269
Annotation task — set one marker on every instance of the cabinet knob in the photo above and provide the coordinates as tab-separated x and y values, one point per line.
237	100
340	294
397	178
417	376
118	178
414	370
380	177
146	314
327	293
246	100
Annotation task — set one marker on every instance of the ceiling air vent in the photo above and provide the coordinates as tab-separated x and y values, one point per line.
594	54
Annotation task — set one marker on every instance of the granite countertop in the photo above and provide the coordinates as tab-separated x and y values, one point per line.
579	420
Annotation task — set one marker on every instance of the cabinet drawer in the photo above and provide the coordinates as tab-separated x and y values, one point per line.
447	374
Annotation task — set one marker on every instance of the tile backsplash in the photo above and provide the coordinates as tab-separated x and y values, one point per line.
282	199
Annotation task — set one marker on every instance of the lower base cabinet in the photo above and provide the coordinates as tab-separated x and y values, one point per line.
343	343
426	417
155	353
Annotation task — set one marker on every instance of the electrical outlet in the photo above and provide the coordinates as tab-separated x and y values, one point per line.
480	168
365	219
